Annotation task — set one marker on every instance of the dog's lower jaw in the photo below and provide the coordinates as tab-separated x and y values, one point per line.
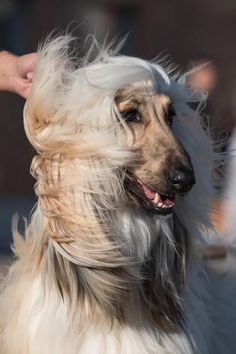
152	202
147	208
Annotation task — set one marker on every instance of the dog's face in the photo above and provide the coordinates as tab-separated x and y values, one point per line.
163	167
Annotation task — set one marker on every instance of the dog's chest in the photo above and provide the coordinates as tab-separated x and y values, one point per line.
46	328
49	331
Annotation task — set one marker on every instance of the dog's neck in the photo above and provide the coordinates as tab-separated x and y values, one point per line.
151	273
162	246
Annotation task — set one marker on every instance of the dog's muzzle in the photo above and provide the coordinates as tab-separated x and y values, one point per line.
180	181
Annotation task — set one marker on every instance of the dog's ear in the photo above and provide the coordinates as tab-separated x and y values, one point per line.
43	110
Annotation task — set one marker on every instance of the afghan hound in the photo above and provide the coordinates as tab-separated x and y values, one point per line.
108	263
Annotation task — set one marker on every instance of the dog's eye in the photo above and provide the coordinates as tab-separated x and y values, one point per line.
170	114
131	116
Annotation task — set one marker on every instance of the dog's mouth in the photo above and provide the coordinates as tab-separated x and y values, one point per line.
151	200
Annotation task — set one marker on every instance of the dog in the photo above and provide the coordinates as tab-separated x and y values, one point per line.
109	262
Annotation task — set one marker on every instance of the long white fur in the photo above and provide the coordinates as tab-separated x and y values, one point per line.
71	120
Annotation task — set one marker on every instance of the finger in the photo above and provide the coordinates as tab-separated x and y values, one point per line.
29	76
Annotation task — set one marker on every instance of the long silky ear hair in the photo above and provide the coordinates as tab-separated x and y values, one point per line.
70	119
163	247
78	172
165	273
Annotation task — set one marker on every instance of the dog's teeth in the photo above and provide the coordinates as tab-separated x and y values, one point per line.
157	198
139	181
160	205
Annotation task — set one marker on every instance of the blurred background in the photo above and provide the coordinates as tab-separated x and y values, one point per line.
192	32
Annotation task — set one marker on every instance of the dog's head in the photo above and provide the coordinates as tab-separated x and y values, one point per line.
162	167
76	113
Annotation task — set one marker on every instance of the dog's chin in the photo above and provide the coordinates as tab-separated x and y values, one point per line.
152	201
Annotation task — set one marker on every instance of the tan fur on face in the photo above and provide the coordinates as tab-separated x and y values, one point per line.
152	138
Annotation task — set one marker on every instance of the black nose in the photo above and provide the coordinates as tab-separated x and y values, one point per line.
181	179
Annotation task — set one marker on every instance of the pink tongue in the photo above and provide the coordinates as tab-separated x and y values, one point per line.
148	192
169	202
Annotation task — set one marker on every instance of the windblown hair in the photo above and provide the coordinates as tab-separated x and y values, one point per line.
104	258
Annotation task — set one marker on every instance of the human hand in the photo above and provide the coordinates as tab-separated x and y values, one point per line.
16	73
